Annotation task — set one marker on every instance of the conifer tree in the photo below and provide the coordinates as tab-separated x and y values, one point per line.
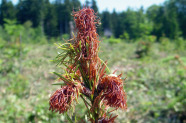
7	11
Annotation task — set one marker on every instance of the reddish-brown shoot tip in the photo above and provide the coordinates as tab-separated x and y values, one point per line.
113	95
62	99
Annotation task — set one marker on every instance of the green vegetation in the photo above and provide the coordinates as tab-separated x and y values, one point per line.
155	83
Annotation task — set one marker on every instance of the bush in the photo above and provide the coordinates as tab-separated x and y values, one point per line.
180	44
113	40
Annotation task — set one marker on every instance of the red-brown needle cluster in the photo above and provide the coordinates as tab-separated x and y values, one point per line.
61	100
113	93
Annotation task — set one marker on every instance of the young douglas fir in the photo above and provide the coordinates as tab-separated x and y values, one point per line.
85	75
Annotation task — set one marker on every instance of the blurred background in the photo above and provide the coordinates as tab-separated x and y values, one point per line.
143	39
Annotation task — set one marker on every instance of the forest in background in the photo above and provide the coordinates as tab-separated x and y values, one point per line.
52	19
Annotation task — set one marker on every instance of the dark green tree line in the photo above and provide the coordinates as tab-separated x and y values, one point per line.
7	10
53	17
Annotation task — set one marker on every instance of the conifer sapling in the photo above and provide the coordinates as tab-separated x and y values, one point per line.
85	74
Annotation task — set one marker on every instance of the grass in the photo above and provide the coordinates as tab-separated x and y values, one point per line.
155	83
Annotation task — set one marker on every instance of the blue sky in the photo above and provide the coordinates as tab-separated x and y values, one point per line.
121	5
